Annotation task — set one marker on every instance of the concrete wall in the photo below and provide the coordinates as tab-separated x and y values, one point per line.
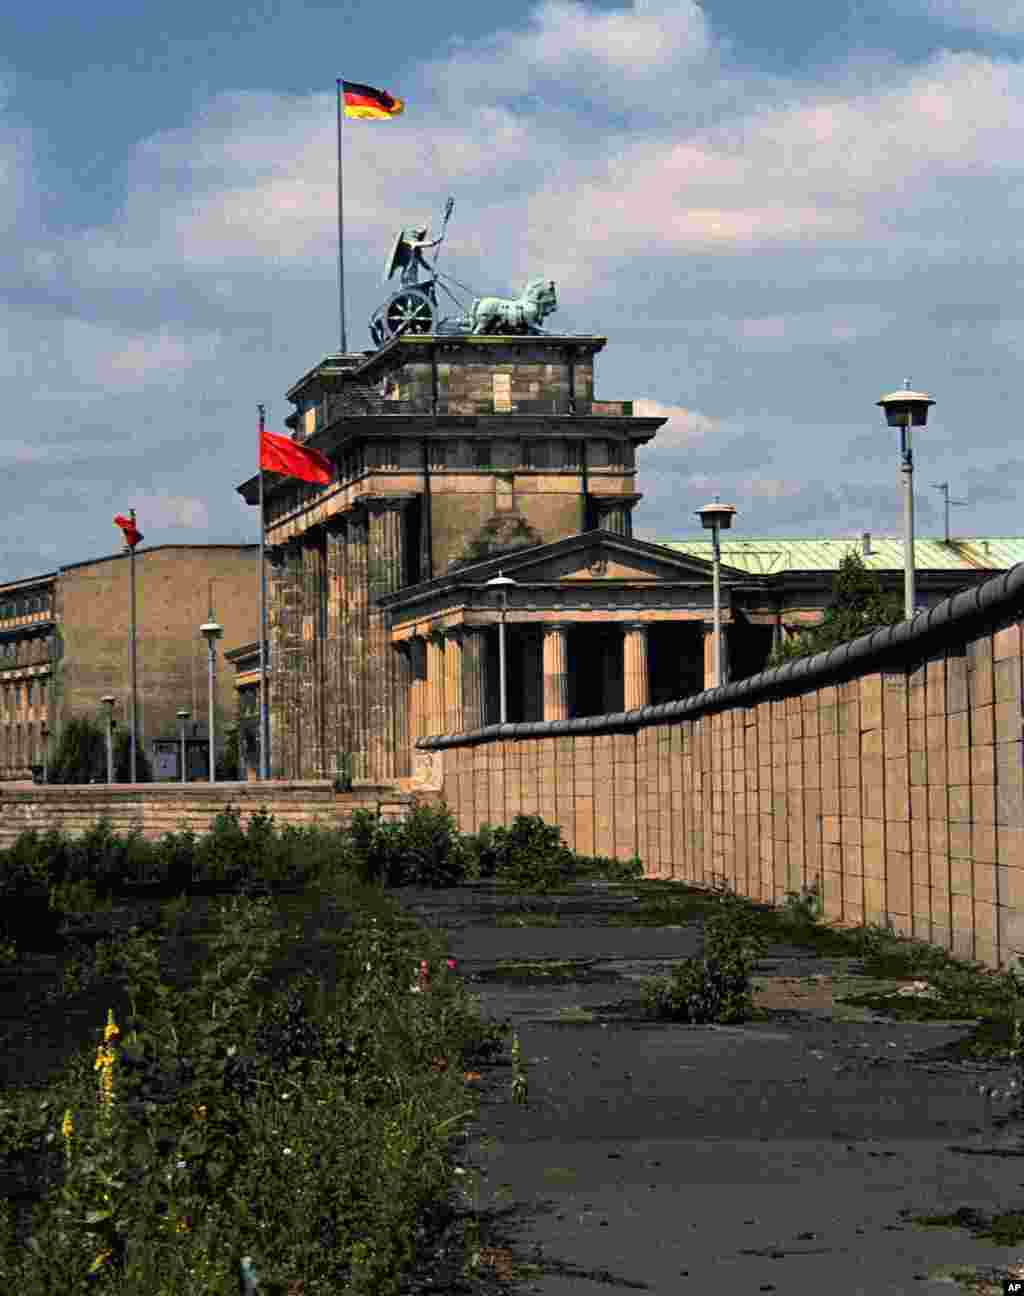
155	809
889	770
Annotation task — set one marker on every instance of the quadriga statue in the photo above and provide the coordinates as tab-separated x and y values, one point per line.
521	315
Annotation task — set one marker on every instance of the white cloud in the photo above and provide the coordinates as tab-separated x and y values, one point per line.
758	248
685	427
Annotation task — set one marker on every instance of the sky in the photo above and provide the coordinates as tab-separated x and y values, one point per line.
776	215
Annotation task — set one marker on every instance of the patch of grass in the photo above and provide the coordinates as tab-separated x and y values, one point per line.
514	970
528	920
1004	1229
910	1007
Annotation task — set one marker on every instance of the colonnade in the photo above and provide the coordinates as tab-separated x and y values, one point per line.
448	687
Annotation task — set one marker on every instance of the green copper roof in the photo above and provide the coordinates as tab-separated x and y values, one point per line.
768	556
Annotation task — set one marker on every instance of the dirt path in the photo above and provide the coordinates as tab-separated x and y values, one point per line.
787	1155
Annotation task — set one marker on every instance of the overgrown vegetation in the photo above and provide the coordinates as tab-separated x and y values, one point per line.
207	1141
858	605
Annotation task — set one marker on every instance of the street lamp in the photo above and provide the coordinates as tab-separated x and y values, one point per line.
714	517
108	701
906	409
502	583
183	715
211	632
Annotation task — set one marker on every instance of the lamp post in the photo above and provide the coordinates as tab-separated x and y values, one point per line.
715	517
108	701
44	734
183	715
502	583
906	409
211	632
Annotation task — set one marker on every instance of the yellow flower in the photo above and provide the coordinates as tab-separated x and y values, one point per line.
182	1226
100	1260
67	1125
111	1029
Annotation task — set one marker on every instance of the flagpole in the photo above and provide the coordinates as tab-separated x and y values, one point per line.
134	698
263	613
341	228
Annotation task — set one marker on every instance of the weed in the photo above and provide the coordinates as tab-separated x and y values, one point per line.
715	988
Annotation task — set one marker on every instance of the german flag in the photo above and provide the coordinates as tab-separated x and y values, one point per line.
365	101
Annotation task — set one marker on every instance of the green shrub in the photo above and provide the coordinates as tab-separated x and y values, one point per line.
804	908
224	854
123	760
715	988
612	869
423	850
174	860
530	854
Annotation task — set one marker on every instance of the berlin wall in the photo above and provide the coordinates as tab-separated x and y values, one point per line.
889	770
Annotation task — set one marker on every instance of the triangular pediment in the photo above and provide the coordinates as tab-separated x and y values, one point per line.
604	556
593	557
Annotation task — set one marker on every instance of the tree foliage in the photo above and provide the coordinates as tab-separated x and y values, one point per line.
229	763
81	754
123	760
858	606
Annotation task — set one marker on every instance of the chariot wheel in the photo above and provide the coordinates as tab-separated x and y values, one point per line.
411	310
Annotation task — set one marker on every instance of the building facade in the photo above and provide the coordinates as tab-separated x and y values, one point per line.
461	459
64	645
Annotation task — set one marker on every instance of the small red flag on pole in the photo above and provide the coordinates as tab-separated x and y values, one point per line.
132	534
280	455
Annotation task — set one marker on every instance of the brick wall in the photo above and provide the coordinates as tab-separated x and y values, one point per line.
899	788
158	808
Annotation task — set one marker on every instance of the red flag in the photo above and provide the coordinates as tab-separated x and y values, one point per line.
132	534
280	455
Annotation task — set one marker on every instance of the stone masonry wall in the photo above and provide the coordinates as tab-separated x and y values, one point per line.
158	808
900	791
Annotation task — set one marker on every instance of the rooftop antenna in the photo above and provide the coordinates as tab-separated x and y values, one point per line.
947	502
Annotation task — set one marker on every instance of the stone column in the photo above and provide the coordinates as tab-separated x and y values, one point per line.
615	516
311	676
285	633
636	685
555	672
709	654
357	645
418	695
334	742
474	677
435	684
402	653
453	694
384	573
